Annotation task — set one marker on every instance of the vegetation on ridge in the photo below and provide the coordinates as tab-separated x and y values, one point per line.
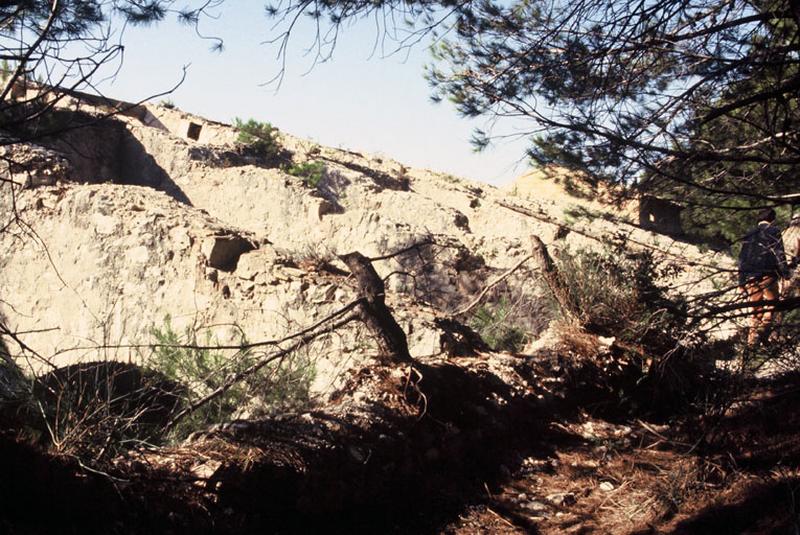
311	172
261	137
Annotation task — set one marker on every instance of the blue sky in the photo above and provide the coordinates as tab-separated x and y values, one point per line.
358	100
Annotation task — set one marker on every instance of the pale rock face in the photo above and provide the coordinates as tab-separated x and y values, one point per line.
224	246
34	165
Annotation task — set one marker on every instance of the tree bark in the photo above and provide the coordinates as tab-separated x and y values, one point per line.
374	312
554	279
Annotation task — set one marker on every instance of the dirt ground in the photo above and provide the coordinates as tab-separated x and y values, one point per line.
637	478
475	457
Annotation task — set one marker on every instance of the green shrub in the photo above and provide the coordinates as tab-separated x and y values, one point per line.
659	363
311	172
615	293
261	137
493	323
279	386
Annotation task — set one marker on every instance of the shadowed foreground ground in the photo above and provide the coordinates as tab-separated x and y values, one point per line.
454	446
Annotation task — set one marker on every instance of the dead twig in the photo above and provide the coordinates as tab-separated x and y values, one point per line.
311	333
501	517
489	286
422	397
403	251
660	436
241	347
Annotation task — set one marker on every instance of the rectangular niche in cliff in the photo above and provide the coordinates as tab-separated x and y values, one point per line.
193	131
223	250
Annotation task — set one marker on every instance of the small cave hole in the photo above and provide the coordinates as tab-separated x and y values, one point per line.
193	131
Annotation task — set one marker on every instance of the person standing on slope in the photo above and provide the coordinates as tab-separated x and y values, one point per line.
762	261
791	239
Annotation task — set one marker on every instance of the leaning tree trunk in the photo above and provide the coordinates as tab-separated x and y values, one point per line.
554	279
374	312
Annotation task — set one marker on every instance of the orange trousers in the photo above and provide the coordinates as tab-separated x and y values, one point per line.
761	317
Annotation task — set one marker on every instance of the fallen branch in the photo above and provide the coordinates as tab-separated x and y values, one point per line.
775	305
373	312
241	347
404	250
303	340
489	286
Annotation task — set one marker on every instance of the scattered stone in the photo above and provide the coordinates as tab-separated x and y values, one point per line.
536	506
606	486
179	236
254	263
293	272
532	464
562	498
206	470
248	287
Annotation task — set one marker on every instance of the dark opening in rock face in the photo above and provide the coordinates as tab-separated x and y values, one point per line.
193	131
660	215
223	251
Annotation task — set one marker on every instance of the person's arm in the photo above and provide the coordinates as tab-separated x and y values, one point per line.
780	254
793	247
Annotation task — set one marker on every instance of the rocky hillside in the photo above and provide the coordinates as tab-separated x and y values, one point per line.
162	213
158	235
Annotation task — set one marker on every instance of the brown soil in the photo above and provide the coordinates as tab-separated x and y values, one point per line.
456	447
645	478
